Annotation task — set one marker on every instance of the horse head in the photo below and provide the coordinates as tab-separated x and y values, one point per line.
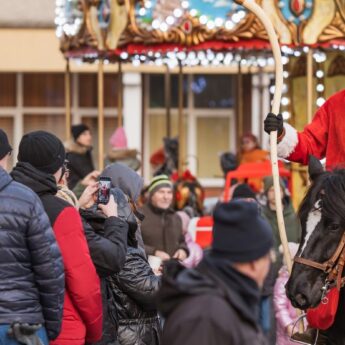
322	216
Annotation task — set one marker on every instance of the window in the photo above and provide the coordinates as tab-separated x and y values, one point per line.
8	90
209	119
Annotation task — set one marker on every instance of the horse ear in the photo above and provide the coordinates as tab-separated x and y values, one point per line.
315	167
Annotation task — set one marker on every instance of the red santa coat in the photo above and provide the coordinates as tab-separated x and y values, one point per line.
323	137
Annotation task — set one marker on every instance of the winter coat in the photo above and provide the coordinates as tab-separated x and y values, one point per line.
162	230
79	162
195	251
285	313
203	308
292	224
31	271
107	240
82	314
322	138
134	290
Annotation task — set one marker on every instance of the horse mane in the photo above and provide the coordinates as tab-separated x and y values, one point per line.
329	187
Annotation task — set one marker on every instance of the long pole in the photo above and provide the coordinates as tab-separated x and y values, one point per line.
259	12
100	85
239	105
180	120
68	100
167	81
120	96
310	85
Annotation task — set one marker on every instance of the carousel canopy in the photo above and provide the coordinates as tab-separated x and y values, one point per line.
151	29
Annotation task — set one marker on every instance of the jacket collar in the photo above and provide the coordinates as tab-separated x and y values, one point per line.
5	179
40	182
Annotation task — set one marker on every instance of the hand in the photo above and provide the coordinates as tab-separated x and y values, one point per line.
88	198
289	330
180	255
110	209
90	178
274	123
158	271
163	255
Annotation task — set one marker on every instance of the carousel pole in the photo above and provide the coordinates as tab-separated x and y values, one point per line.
167	96
309	85
239	105
120	96
100	84
68	100
258	11
180	120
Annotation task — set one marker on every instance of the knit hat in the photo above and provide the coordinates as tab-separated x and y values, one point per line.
243	191
5	147
42	150
78	129
158	182
240	233
118	140
268	183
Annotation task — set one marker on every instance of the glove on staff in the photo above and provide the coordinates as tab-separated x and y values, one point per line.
274	123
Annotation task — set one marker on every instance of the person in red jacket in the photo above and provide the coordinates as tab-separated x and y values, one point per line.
40	165
322	138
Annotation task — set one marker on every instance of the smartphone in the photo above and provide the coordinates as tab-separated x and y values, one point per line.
103	193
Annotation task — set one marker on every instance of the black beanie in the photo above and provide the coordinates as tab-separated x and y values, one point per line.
240	233
42	150
5	147
78	129
243	191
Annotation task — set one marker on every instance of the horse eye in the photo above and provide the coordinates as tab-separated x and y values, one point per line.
333	227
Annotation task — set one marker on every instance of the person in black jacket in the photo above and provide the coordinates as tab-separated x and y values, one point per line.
31	269
135	287
79	156
217	302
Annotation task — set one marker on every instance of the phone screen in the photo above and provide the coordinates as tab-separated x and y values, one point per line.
104	190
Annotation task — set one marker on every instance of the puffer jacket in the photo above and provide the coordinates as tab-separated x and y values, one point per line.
285	313
79	162
31	268
82	315
134	290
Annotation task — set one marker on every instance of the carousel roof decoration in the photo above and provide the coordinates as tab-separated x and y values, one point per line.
178	30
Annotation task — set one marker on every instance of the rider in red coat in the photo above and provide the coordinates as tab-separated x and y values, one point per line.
322	138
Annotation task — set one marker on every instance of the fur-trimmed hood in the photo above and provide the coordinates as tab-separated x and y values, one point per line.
72	146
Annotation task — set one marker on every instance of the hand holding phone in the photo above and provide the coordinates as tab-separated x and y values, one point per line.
110	209
103	193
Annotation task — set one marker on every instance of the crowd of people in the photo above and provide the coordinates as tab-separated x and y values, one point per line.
76	271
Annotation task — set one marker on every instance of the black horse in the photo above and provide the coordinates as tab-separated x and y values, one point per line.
322	216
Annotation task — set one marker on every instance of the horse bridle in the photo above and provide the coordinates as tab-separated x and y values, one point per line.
333	267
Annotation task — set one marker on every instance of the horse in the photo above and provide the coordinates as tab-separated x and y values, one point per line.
319	261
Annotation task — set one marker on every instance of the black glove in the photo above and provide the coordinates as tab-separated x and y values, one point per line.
274	123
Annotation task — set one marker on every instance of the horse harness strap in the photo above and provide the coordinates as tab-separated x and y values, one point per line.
334	266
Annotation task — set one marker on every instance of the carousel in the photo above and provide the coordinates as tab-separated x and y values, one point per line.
214	33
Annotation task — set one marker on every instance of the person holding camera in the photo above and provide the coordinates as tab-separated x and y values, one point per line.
40	166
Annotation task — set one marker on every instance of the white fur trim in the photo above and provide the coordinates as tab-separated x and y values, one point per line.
289	142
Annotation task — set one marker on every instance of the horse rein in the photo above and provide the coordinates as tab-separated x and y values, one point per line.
333	267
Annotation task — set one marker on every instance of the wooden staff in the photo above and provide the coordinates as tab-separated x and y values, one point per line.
239	106
167	80
180	120
310	85
120	96
100	85
68	100
258	11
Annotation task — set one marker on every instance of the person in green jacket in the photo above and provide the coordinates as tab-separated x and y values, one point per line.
292	223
